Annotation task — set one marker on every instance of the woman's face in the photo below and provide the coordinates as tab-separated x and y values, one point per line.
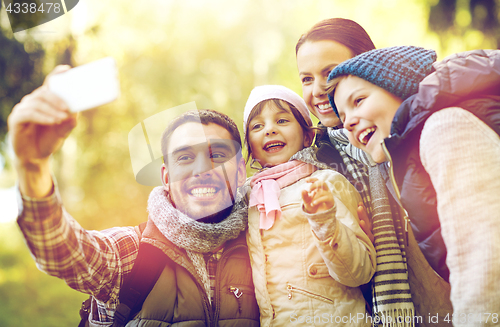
315	60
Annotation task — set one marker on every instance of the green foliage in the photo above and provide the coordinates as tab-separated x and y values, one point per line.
20	72
28	297
474	23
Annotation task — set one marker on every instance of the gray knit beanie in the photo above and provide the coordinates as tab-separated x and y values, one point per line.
398	70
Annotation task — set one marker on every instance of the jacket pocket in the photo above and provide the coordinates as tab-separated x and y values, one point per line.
299	290
318	270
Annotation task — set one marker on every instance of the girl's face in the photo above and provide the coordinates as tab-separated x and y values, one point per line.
315	60
275	135
367	112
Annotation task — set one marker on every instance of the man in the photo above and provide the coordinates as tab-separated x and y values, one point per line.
196	223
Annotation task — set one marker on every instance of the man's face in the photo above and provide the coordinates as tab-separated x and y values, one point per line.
367	112
203	171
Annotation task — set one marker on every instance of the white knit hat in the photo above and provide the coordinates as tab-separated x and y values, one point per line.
266	92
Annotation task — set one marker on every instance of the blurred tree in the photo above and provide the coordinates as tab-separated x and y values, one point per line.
475	22
20	72
27	296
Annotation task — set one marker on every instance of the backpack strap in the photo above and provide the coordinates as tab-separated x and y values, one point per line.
147	269
85	312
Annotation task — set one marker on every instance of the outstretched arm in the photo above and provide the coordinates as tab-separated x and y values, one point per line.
38	126
89	261
346	249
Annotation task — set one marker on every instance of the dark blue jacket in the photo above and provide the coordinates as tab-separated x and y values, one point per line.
470	80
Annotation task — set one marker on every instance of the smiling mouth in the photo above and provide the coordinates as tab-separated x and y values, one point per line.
203	192
274	146
324	108
364	136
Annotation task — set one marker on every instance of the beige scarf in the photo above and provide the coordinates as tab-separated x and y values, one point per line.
194	236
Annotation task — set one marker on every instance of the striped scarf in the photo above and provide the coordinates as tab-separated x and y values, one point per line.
356	162
391	290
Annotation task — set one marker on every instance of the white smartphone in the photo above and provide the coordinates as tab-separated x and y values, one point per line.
87	86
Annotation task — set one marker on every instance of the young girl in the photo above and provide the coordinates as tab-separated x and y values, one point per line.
307	251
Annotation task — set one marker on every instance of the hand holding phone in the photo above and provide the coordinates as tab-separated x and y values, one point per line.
87	86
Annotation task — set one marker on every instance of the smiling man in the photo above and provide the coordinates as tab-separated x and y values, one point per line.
202	166
192	250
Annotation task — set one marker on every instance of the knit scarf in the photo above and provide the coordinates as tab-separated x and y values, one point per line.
356	161
391	290
266	188
194	236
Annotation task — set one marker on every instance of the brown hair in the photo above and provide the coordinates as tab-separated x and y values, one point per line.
308	130
332	85
205	117
344	31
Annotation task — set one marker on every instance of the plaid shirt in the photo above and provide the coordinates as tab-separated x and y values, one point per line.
92	262
211	260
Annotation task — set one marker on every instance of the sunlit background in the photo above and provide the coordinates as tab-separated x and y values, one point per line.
171	52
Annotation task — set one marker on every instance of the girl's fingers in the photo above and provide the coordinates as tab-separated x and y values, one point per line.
363	216
311	179
320	186
306	197
318	194
320	191
308	202
323	199
315	186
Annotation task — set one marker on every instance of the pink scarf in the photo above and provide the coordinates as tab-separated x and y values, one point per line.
266	186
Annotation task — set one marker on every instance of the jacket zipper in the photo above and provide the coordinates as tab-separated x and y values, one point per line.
216	303
396	189
292	289
238	293
206	302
